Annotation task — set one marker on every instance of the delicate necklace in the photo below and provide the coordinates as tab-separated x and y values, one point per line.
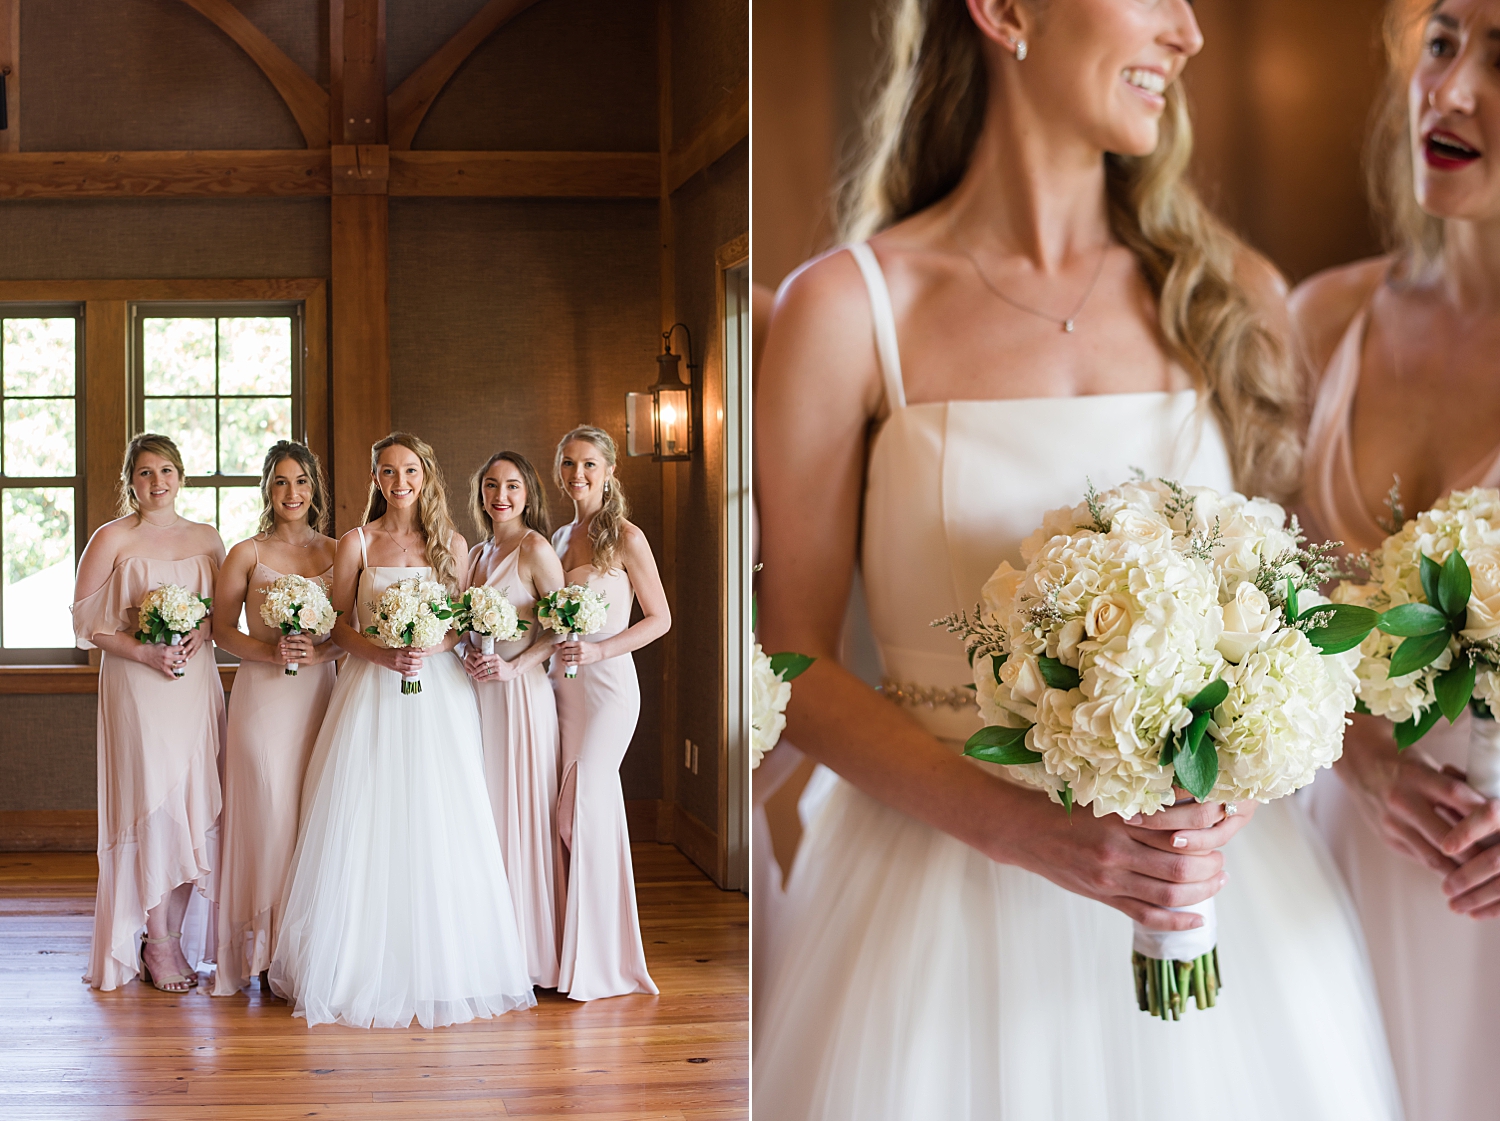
312	540
392	536
160	525
1067	322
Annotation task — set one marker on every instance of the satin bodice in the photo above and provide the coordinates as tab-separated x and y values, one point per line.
614	585
954	487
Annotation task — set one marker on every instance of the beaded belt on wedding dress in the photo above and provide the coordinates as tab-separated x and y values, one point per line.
915	696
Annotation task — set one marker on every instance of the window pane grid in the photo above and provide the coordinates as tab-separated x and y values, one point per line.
39	477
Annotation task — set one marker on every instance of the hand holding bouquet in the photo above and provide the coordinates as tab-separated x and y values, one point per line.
168	614
413	613
1436	583
297	605
573	611
488	612
1155	640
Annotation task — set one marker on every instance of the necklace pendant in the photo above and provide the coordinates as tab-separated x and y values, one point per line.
1068	326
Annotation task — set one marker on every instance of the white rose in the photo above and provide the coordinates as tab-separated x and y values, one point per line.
1107	617
999	593
1484	600
1248	621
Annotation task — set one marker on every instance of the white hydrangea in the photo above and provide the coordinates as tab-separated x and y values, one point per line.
769	696
576	609
296	603
414	613
488	611
176	609
1150	592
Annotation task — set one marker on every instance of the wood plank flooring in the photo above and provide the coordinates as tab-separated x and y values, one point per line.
67	1051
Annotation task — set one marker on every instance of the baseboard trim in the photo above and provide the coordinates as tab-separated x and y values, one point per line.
49	830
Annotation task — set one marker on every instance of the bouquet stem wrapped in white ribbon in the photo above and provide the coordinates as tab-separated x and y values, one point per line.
574	611
297	605
1155	642
412	613
168	614
488	613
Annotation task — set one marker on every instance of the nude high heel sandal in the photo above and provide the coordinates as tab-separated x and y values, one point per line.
162	983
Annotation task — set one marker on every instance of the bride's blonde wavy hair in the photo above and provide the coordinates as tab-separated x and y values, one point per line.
920	138
432	505
1410	234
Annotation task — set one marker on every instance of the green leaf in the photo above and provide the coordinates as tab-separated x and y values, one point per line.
1057	675
1210	697
1291	602
1005	746
1197	762
1415	653
1453	688
787	666
1454	586
1410	731
1409	620
1066	793
996	661
1340	626
1431	573
1362	708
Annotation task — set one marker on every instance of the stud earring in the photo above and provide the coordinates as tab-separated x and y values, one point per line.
1020	50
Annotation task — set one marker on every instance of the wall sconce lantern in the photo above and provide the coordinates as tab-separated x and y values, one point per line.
659	422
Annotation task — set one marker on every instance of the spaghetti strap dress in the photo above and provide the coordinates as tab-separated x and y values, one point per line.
159	782
1437	973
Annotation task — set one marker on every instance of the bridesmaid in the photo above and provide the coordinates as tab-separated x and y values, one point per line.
596	714
273	718
1405	348
516	706
159	735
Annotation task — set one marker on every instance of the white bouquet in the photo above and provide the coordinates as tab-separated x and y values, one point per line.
770	691
413	613
297	605
488	612
573	611
1436	582
168	614
1155	641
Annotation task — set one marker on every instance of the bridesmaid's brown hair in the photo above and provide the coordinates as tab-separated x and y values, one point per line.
153	443
533	514
319	513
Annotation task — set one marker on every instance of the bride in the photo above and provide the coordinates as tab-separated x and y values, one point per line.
397	906
1043	303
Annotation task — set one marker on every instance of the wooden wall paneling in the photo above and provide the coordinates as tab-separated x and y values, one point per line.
361	346
303	96
726	126
106	415
409	102
315	405
172	174
10	59
526	174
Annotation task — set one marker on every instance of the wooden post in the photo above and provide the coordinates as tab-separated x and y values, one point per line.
106	414
360	265
10	59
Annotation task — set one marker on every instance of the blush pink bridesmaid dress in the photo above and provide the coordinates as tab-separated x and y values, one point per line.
602	954
1437	973
159	792
519	720
273	723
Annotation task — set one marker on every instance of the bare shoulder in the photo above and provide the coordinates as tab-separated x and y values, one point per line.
634	545
535	545
349	541
457	545
207	537
242	553
108	536
1323	306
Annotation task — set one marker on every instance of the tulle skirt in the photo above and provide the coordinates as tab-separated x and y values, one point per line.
397	906
915	979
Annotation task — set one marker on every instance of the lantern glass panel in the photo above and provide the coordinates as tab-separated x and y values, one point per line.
672	417
639	436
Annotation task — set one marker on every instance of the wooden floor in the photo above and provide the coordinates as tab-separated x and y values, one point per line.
67	1051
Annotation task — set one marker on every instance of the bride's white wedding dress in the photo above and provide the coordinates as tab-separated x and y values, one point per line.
916	979
397	907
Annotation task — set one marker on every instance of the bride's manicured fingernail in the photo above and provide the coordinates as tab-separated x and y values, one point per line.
1179	841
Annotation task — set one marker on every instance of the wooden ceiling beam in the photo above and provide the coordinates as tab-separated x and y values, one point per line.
409	102
726	126
53	175
304	97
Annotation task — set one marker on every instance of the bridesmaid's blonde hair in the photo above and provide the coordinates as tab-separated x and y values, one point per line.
432	505
609	523
1410	234
319	509
153	443
533	514
920	138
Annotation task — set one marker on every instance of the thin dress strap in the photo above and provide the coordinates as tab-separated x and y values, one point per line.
364	557
885	324
255	542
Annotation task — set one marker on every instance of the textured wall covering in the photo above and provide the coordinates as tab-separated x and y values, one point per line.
709	210
153	74
512	322
47	753
708	59
521	90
